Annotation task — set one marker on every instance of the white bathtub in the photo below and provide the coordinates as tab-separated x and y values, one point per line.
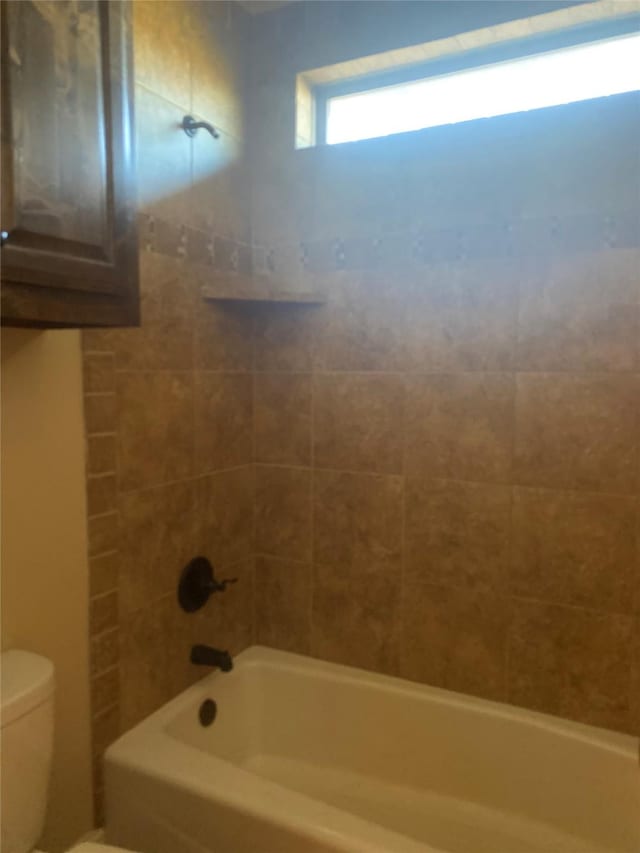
307	756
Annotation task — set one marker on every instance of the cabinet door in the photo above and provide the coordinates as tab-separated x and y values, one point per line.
69	254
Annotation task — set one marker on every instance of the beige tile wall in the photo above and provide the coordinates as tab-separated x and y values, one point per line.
470	528
448	451
446	480
168	406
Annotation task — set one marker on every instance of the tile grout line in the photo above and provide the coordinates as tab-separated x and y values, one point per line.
293	560
579	608
508	569
503	484
254	436
311	579
507	573
444	371
183	480
116	590
403	537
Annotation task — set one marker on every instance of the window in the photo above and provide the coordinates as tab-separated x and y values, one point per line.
576	73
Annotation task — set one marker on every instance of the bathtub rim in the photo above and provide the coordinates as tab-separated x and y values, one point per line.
149	748
620	743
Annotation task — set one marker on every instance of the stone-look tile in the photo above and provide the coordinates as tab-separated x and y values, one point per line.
97	341
282	418
634	727
105	651
101	454
163	158
107	726
358	422
98	796
285	338
221	199
98	373
454	638
636	597
177	633
103	613
100	413
199	246
462	316
229	255
155	431
105	690
158	536
223	414
180	182
283	596
283	512
223	337
460	426
355	622
571	662
219	194
289	273
103	573
358	523
363	326
143	667
168	235
457	534
577	431
227	621
164	341
217	41
637	575
103	533
571	548
101	494
162	51
225	514
97	776
582	315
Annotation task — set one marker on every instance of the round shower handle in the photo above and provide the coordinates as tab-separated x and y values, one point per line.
197	583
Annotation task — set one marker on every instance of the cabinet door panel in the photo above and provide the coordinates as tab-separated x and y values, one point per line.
57	111
68	189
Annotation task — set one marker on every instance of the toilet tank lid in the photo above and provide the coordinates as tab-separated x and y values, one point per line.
26	682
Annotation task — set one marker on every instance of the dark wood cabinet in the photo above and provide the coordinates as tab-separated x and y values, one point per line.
69	245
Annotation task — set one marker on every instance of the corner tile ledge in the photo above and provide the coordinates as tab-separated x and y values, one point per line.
257	289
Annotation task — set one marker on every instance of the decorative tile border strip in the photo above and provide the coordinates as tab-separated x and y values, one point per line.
473	241
198	247
393	249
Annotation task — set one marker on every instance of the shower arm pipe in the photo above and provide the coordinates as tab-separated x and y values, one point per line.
191	127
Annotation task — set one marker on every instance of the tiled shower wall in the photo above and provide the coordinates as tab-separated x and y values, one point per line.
448	451
168	405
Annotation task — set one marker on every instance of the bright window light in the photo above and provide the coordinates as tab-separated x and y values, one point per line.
606	67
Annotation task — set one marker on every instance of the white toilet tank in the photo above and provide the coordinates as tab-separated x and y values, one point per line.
26	718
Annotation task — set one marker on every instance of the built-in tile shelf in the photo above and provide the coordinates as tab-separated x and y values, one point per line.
257	289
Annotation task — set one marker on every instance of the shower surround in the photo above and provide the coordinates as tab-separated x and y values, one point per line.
435	474
448	451
168	405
